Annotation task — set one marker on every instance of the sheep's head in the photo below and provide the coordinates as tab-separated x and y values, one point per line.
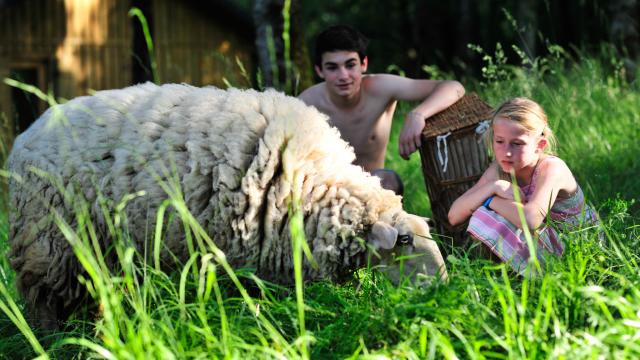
405	249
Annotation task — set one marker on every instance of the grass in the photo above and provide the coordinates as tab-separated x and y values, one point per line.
585	305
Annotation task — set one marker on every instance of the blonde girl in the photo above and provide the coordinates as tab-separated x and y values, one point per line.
522	144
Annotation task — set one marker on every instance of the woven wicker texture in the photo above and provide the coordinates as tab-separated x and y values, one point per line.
453	156
469	110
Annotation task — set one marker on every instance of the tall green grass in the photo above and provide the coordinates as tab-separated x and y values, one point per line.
584	305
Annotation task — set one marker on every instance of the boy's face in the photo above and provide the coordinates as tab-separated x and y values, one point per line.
342	72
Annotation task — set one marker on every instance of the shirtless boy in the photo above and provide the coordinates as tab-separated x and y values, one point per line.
362	106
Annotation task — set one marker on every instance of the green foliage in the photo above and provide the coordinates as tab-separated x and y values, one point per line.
495	68
583	305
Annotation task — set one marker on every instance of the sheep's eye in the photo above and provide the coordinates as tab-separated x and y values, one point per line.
406	239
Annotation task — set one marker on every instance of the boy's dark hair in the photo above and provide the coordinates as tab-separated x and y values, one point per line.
340	38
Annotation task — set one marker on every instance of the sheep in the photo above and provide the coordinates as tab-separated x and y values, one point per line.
239	157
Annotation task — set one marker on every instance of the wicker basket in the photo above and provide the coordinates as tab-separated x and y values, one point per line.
454	156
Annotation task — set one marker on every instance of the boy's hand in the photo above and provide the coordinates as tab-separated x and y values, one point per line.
411	133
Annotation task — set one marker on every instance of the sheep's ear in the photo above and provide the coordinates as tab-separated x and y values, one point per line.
383	236
429	222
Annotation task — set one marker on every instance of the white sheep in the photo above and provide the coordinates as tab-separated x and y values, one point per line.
239	157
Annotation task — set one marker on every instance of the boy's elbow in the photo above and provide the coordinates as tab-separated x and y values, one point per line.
456	88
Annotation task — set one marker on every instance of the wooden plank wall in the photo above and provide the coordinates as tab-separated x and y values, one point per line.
85	45
30	32
96	52
31	28
89	40
82	44
191	48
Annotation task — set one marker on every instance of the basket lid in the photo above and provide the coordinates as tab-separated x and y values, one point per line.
468	110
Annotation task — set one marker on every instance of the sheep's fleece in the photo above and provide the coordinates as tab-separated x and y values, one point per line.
239	157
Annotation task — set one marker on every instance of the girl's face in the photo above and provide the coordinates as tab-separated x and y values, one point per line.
516	149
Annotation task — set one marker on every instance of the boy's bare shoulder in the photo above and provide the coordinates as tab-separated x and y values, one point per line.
379	84
313	95
380	80
398	87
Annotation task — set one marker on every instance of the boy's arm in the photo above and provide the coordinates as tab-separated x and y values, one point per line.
435	96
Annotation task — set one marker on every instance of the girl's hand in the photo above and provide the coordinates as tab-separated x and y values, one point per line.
504	189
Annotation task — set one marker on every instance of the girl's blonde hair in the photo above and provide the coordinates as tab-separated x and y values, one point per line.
528	114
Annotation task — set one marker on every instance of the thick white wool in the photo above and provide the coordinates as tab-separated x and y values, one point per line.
238	157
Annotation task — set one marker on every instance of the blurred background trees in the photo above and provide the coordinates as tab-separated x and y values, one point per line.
411	33
283	58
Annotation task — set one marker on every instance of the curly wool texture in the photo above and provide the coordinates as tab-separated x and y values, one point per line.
239	157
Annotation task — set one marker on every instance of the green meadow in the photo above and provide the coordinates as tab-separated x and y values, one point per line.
584	305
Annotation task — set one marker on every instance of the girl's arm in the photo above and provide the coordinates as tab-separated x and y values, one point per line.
488	185
553	176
